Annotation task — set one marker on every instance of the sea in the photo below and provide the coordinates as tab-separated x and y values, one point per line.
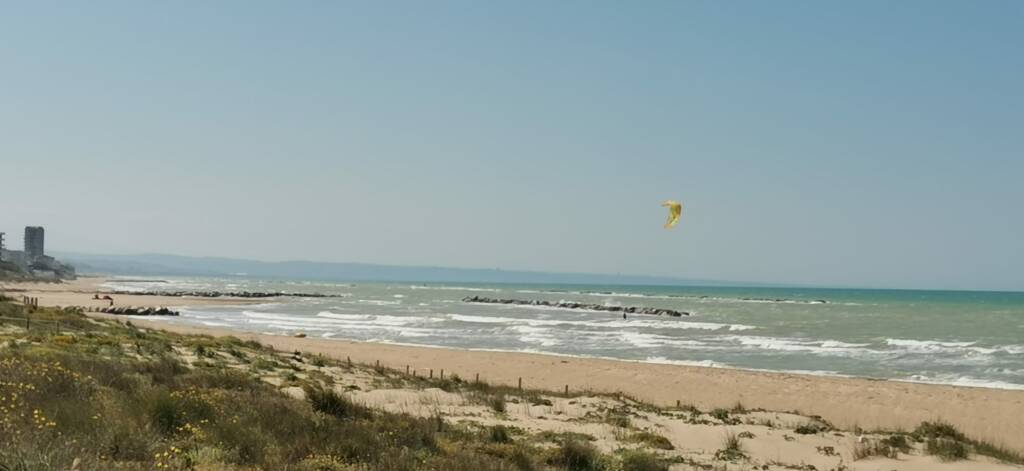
963	338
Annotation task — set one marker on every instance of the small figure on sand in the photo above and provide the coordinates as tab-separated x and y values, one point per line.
106	297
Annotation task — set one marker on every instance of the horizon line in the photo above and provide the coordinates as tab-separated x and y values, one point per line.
689	282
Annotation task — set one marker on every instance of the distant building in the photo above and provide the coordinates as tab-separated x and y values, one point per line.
34	242
33	261
16	257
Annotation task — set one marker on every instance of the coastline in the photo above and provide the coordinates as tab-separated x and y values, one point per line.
79	293
989	414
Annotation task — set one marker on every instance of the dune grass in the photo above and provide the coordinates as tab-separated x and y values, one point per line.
109	396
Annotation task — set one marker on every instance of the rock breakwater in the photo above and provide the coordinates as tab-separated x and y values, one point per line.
226	294
654	311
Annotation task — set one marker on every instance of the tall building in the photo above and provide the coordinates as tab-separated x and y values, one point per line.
34	242
2	248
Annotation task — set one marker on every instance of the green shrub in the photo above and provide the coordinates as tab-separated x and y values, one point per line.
898	442
333	404
499	434
937	429
720	414
165	412
576	455
810	428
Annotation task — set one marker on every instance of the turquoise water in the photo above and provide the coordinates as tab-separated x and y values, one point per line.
949	337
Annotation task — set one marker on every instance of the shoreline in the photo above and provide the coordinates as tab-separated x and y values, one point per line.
983	412
986	413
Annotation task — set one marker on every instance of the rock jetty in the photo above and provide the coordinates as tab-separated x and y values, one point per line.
226	294
654	311
137	311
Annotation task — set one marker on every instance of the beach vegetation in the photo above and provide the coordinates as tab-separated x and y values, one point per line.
561	437
577	455
949	443
811	428
496	402
651	439
329	402
87	401
946	449
318	360
638	460
898	441
499	434
723	416
732	449
617	418
937	429
870	448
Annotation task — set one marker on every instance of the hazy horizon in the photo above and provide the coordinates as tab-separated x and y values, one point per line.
533	277
866	144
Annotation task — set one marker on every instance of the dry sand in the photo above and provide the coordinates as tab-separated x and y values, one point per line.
80	292
989	414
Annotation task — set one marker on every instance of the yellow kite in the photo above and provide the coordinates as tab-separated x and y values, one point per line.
675	208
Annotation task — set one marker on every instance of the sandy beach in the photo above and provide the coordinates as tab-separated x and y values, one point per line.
79	292
988	414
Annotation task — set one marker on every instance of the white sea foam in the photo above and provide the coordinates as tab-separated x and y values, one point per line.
935	346
642	340
965	381
215	324
456	288
537	335
666	361
696	297
926	344
799	345
612	324
375	302
348	317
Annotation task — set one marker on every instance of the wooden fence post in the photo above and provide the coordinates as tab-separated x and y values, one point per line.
406	370
442	374
566	390
478	377
431	373
520	383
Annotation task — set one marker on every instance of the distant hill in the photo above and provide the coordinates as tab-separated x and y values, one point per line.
175	265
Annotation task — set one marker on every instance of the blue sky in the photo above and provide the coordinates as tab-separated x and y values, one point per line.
835	143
